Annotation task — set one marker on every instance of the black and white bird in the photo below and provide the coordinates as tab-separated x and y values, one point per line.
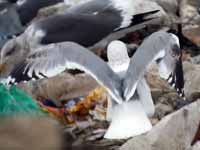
94	16
130	98
88	23
85	24
16	14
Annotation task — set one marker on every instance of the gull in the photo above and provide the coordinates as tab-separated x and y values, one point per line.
21	12
93	17
132	114
86	24
130	101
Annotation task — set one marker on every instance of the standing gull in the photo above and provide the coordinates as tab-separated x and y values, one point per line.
127	87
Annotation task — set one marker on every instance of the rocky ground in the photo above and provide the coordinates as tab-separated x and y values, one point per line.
176	122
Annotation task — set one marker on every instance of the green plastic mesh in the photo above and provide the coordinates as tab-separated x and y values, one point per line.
14	101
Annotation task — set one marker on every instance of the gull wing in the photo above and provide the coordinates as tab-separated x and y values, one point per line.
151	48
50	60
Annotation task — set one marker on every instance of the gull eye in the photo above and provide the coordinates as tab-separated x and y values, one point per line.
175	52
158	60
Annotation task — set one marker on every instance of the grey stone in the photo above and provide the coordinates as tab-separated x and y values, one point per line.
193	33
28	132
62	87
10	23
195	60
192	79
162	110
170	6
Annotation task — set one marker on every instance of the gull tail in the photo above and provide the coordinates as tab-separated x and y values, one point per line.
128	119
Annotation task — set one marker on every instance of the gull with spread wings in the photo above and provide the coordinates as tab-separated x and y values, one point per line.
130	99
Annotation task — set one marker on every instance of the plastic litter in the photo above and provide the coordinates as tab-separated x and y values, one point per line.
14	101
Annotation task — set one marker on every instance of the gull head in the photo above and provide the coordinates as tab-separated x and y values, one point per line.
170	64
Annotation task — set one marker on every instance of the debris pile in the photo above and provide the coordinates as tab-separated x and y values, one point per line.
73	107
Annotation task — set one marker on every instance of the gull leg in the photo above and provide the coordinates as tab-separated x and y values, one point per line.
145	97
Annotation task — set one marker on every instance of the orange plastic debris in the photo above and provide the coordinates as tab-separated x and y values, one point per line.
81	109
87	103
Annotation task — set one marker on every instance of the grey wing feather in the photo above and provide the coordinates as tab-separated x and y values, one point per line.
48	61
144	55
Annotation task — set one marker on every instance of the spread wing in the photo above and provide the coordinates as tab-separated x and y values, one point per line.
50	60
158	45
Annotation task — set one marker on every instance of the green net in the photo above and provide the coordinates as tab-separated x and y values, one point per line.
14	101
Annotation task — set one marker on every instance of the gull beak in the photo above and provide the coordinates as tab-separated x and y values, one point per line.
2	67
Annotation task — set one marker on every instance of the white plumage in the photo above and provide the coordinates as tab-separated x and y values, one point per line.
129	118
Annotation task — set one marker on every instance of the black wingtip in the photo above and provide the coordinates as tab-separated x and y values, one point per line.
143	17
20	74
179	89
176	79
145	14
